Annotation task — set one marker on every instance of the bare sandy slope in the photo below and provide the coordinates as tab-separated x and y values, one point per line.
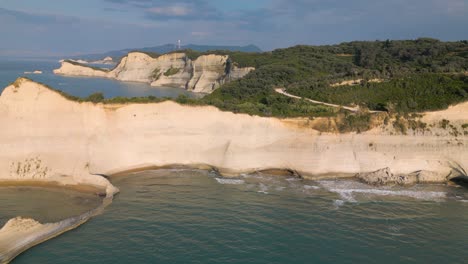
456	113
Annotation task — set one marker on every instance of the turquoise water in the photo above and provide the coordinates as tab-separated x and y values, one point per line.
191	216
10	70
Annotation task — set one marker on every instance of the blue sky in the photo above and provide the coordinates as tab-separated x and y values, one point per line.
60	27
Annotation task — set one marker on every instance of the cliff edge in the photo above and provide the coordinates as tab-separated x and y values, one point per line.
52	139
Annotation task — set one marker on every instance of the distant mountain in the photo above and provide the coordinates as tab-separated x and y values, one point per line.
117	54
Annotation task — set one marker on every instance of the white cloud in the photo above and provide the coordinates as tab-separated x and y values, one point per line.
175	10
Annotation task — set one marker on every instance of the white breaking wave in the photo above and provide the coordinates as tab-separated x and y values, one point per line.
338	203
347	189
293	179
229	181
421	195
263	188
311	187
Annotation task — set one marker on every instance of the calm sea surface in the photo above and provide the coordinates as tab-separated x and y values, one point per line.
10	70
191	216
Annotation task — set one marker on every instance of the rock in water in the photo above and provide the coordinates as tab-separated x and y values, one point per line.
385	176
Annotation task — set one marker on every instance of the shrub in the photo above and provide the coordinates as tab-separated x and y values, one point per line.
95	98
171	71
444	123
400	126
156	73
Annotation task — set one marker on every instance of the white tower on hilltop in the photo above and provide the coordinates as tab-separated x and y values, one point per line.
178	44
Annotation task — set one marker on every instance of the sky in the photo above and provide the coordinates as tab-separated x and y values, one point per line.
72	27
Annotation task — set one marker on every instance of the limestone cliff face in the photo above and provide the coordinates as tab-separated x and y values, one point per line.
48	138
203	75
206	72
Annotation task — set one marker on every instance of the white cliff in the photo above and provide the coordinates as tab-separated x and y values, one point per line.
51	139
204	74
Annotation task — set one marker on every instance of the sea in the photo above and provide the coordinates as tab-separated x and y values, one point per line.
195	216
11	69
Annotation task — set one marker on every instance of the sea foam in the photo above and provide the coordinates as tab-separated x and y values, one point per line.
229	181
348	189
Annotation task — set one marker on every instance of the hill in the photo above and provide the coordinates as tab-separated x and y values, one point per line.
397	76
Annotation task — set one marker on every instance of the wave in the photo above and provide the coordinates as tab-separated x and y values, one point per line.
263	188
420	195
229	181
348	189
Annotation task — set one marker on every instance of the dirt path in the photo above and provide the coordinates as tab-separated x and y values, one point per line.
349	108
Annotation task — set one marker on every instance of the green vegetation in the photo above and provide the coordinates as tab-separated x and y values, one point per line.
95	97
359	122
156	73
171	71
308	71
444	123
413	93
400	125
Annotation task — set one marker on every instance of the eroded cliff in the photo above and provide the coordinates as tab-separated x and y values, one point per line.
204	74
48	138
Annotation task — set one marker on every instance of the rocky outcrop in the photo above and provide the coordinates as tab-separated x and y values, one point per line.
386	177
203	75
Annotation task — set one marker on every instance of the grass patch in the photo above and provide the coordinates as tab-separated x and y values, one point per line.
156	73
171	71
